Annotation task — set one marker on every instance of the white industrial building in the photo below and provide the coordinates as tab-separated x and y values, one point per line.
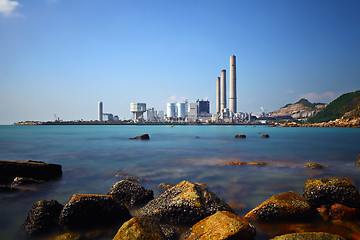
138	110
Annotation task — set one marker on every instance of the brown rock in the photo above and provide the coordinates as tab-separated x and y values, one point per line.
265	136
67	236
309	236
240	136
355	236
327	191
131	193
140	228
357	162
234	163
185	203
222	225
281	207
339	211
314	166
85	211
324	212
257	163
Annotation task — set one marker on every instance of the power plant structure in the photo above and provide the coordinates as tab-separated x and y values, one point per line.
138	110
221	106
100	111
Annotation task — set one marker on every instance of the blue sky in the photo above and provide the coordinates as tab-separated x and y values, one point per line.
63	56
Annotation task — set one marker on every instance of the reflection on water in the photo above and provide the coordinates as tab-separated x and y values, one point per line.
91	156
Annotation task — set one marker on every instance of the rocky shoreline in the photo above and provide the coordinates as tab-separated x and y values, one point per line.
328	208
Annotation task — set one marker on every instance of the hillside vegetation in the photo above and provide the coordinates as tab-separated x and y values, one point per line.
337	108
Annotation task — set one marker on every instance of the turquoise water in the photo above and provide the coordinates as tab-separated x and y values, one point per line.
92	155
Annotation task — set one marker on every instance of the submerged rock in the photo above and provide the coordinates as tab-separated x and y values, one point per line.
327	191
165	186
30	169
85	211
222	225
140	228
265	136
257	163
42	218
240	136
21	181
141	137
131	193
339	211
282	207
314	166
129	177
7	189
233	163
309	236
185	203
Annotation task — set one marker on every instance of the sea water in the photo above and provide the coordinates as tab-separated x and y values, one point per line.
91	156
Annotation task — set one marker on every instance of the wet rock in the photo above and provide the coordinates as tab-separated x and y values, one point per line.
7	189
165	186
327	191
324	213
141	137
309	236
140	228
265	136
42	218
170	232
314	166
357	162
240	136
222	225
30	169
257	163
282	207
234	163
129	177
185	203
66	236
21	181
355	236
85	211
131	193
339	211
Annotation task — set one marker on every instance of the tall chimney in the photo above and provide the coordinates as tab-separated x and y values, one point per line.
218	95
232	90
100	111
223	90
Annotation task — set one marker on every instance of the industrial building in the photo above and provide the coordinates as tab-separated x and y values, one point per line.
100	111
138	110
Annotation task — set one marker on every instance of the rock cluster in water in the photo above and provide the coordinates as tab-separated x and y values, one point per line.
325	202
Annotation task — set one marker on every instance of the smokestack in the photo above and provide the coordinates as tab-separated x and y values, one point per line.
218	95
100	111
232	90
223	90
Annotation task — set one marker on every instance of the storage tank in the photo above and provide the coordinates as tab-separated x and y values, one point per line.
171	110
180	110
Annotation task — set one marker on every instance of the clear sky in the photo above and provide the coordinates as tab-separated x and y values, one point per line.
63	56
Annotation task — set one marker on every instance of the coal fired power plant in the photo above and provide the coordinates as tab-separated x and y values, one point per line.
221	106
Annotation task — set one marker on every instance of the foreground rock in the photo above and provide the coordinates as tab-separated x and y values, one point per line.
141	137
42	218
240	136
222	225
327	191
22	181
131	193
185	203
282	207
30	169
357	162
85	211
309	236
340	211
140	228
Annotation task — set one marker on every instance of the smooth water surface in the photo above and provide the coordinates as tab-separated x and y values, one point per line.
92	155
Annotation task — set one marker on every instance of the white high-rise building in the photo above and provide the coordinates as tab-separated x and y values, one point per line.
100	111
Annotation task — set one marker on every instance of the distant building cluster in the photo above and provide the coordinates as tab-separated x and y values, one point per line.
198	111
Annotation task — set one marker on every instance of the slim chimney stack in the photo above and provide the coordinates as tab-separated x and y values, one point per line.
218	95
223	90
232	87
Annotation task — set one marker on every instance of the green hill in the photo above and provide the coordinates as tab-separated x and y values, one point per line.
337	108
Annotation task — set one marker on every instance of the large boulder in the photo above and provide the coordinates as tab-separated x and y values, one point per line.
309	236
327	191
281	207
86	211
222	225
140	228
131	193
30	169
42	218
185	203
